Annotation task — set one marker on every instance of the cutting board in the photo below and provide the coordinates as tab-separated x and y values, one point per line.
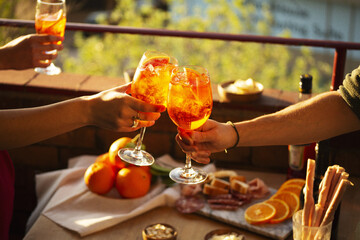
236	218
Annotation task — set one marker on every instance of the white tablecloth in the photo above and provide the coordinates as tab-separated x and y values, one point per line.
64	198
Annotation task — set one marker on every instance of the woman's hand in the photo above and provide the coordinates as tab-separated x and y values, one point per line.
115	110
211	137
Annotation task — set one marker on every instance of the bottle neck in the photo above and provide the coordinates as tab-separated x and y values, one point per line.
304	96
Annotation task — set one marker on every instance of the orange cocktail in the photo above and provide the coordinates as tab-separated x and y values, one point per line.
190	102
152	77
50	18
51	24
189	106
151	85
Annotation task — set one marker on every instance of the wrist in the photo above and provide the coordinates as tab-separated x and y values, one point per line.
85	110
235	134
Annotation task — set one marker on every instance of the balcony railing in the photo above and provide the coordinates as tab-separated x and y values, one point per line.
340	48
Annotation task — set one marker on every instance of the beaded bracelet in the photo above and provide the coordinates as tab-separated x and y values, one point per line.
237	135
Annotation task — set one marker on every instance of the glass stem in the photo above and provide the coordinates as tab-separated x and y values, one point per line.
187	163
140	139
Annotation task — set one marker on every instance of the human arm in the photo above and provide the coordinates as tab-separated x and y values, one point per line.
29	51
112	109
323	116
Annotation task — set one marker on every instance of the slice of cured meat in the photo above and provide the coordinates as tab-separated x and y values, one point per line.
258	188
189	204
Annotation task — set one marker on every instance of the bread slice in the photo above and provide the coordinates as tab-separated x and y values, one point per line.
239	186
217	182
213	190
238	177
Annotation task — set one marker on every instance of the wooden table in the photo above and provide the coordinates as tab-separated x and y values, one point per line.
193	226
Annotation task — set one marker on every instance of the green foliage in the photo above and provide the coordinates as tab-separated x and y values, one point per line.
275	66
9	9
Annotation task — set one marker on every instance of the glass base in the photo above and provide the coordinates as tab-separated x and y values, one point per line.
50	70
188	176
139	158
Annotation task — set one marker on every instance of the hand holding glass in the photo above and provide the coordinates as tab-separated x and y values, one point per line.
150	84
50	18
189	106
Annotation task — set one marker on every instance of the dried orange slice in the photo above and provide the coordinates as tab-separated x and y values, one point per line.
282	210
290	198
259	213
294	181
291	188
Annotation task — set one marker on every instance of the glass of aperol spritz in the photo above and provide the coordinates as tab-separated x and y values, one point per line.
150	84
50	18
189	106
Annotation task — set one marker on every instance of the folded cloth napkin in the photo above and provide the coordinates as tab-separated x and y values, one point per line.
71	205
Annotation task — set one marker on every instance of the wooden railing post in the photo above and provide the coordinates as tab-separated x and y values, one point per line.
338	68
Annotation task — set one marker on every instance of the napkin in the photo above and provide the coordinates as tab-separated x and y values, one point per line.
64	198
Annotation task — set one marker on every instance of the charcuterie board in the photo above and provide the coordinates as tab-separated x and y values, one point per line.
236	218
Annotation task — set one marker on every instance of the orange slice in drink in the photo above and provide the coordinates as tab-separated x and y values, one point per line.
282	210
260	213
156	61
291	188
290	198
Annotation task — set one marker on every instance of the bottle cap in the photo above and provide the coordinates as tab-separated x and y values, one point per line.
305	84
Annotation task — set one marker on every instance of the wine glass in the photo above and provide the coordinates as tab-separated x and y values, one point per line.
189	106
50	18
150	84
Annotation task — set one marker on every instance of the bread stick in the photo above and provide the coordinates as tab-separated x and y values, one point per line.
308	197
334	203
324	189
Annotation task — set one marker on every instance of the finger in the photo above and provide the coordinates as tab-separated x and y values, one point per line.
49	47
200	157
142	106
201	137
185	147
44	56
184	137
139	125
146	123
149	116
42	64
122	89
45	38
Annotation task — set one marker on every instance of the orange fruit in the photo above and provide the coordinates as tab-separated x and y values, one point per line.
294	181
105	158
133	182
290	198
259	213
113	151
291	188
147	170
99	177
282	210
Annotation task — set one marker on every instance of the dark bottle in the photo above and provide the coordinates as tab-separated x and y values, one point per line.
323	161
299	154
